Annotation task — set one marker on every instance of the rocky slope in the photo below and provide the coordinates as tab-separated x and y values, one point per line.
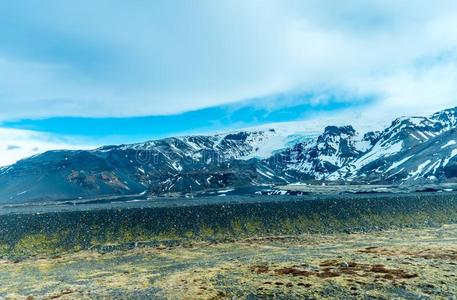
182	164
412	150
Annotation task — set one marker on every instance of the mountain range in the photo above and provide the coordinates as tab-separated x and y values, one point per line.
411	150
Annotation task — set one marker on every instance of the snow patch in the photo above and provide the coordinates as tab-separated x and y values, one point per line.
415	174
450	143
399	163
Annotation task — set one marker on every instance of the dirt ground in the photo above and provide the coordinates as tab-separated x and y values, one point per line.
396	264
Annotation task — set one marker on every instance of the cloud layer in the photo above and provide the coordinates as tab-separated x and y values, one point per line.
110	58
142	58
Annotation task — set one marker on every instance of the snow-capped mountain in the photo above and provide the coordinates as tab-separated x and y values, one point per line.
401	145
169	165
321	157
411	150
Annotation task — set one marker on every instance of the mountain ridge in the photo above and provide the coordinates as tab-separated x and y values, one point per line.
411	150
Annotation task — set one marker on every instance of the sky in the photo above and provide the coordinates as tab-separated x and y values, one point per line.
79	74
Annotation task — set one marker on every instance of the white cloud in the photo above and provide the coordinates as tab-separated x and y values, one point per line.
164	57
18	144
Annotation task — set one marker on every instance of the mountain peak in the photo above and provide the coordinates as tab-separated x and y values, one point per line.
339	130
447	116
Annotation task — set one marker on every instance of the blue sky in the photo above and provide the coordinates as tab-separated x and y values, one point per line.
212	119
81	73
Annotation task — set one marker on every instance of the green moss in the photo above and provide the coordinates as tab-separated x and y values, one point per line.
4	249
206	231
243	221
35	244
254	226
236	228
